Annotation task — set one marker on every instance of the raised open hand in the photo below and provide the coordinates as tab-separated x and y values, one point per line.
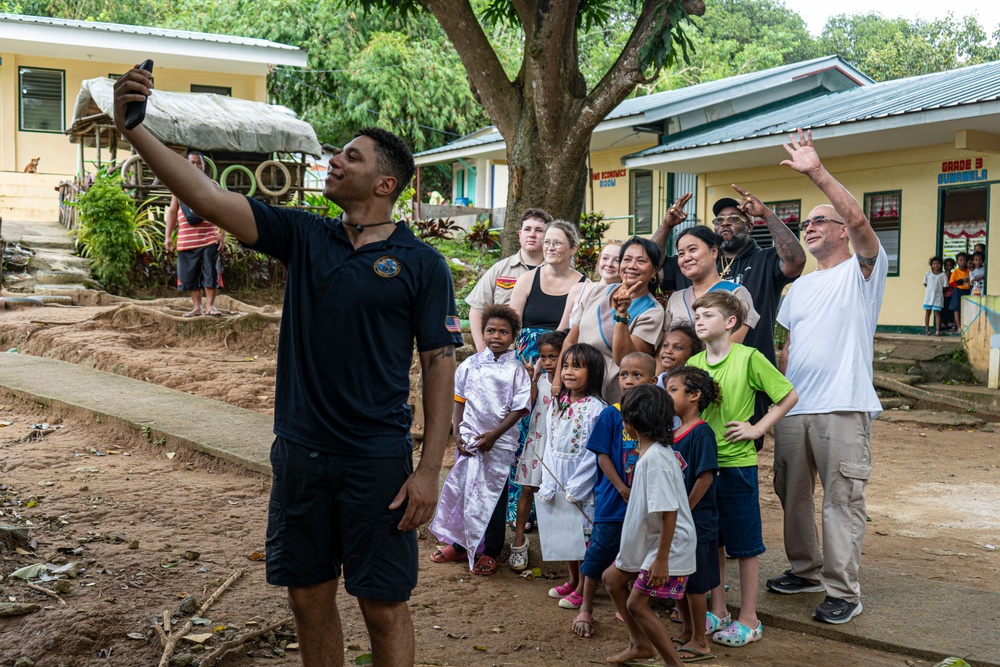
804	157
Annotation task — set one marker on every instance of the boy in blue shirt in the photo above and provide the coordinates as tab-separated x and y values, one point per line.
617	454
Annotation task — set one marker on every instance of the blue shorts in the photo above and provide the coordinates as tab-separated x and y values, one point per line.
605	542
707	575
740	530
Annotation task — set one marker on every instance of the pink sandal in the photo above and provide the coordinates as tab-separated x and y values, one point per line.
561	591
571	601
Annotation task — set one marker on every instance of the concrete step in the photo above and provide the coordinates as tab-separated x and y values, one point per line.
66	277
989	398
69	288
51	259
901	366
917	348
901	377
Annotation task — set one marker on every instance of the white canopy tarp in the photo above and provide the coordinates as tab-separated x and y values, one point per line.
207	122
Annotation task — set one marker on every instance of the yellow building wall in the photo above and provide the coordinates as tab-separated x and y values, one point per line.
913	171
609	188
58	155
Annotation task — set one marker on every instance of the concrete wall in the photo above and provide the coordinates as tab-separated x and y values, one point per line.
59	157
981	319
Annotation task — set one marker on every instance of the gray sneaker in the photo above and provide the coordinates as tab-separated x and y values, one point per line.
789	583
836	611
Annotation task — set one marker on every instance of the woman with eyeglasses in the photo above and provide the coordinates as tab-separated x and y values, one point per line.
697	256
539	297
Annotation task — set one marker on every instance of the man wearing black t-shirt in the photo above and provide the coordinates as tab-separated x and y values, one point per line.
360	290
764	272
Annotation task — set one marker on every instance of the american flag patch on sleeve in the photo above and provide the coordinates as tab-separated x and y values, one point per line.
453	324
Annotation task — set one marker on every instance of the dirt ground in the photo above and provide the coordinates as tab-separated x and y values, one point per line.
932	502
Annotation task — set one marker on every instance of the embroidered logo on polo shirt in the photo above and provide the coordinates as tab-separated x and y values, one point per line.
506	282
387	266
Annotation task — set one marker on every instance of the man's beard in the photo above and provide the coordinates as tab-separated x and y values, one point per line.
736	242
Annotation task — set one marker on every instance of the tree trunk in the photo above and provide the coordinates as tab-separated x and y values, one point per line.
555	183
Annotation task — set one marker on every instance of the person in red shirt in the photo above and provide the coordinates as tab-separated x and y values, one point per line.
199	244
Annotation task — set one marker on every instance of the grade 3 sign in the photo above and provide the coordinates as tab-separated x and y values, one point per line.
967	170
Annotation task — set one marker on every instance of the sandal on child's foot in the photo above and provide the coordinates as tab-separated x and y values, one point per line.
738	635
561	591
713	623
519	557
584	625
571	601
486	566
675	615
447	554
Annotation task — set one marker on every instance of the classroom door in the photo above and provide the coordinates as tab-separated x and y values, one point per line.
964	220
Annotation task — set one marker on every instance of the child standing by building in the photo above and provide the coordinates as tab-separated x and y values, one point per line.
568	468
692	391
492	392
529	467
679	345
658	536
740	372
935	281
977	276
617	455
959	280
947	317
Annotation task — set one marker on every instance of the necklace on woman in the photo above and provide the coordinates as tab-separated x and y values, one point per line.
725	267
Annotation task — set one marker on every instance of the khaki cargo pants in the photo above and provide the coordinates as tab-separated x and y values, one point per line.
837	447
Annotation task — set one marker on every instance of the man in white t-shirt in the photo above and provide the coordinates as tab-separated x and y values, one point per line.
831	315
497	283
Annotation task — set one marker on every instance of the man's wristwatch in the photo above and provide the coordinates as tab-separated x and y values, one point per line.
624	320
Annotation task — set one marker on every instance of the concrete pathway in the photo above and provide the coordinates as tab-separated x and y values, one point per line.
917	617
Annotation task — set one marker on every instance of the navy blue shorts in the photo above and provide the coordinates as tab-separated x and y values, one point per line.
737	495
329	512
707	575
605	541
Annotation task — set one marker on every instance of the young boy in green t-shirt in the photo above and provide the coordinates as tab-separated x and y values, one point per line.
740	372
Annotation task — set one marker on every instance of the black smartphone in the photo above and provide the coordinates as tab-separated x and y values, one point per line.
135	112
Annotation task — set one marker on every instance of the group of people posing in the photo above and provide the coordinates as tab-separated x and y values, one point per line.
633	426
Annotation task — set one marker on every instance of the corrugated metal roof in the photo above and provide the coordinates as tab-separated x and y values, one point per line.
663	104
953	88
641	105
145	30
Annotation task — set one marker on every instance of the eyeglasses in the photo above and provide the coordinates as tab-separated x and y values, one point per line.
554	244
731	219
816	221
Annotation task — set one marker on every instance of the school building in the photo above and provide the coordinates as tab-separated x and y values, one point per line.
917	153
44	60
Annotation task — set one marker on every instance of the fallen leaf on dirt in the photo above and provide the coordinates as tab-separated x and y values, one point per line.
198	639
171	455
479	648
195	620
292	647
363	659
136	635
448	634
170	564
256	555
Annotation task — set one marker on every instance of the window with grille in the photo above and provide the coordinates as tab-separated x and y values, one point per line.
42	105
884	210
642	202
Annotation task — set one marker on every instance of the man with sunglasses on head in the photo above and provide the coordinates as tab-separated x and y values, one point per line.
831	316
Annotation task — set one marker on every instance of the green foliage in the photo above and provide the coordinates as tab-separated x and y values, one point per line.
481	236
435	228
466	266
592	230
892	48
322	206
107	231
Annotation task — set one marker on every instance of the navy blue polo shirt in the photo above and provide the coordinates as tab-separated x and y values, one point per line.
347	329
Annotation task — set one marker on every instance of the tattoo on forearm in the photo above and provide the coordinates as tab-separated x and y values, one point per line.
444	352
789	249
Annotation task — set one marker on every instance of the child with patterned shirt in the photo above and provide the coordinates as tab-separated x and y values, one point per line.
529	467
569	469
492	392
658	536
692	391
616	458
740	372
935	282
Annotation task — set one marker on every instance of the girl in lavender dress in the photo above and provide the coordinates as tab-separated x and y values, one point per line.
492	392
